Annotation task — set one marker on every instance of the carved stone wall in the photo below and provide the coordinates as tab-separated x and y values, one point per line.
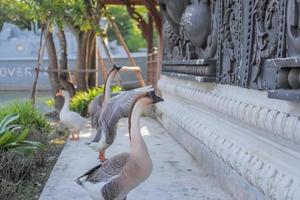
252	147
249	43
229	66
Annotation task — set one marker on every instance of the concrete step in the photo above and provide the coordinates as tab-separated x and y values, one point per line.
176	175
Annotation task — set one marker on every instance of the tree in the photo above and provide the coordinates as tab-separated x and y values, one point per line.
45	12
16	12
83	17
128	27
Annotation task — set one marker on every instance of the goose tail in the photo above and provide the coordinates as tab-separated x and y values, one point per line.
87	174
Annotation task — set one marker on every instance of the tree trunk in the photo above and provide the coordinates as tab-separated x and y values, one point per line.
101	64
43	39
64	75
81	62
53	73
93	76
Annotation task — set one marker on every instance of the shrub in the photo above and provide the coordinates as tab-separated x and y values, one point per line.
50	103
24	148
13	139
15	167
29	116
34	123
16	155
80	102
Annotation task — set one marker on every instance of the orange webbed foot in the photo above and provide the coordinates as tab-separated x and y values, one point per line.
102	156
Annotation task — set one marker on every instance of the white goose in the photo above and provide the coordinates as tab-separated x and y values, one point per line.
72	120
115	178
117	107
96	105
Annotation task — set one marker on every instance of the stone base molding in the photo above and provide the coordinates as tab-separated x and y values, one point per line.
252	149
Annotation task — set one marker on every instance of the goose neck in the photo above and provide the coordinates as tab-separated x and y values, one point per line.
107	85
66	103
135	134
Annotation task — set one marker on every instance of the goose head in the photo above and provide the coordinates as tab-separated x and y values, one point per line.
146	100
116	68
153	98
63	93
140	104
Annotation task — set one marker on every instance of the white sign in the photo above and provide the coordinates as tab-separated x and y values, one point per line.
9	72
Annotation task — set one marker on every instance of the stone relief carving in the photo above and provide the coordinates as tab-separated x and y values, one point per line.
171	40
293	28
246	38
195	24
293	40
199	24
266	32
175	42
229	54
265	41
173	9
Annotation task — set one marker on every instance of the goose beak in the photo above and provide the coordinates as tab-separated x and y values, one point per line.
155	98
59	93
116	67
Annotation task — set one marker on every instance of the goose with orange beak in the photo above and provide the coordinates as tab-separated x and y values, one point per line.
72	120
117	176
96	106
117	107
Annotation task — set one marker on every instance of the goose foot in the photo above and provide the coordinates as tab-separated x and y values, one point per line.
102	155
77	136
74	136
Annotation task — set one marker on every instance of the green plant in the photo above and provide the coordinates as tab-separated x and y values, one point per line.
6	121
50	103
29	116
79	103
13	139
15	169
128	27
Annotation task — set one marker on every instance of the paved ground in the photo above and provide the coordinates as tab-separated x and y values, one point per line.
175	176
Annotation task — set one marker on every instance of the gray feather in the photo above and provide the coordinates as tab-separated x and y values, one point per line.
117	107
94	110
107	169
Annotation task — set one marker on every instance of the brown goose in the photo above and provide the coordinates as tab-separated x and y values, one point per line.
117	108
115	178
96	105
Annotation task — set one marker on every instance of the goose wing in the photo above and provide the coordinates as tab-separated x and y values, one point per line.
94	110
106	170
117	108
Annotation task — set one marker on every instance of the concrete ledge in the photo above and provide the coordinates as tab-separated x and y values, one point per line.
273	122
229	180
247	165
